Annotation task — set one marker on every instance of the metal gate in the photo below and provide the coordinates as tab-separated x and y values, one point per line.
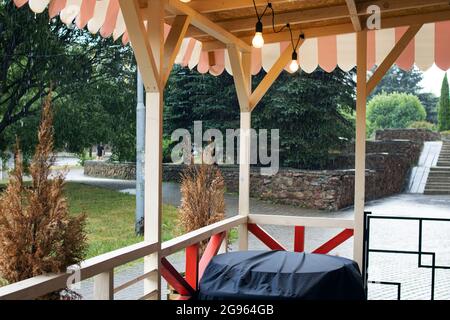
368	217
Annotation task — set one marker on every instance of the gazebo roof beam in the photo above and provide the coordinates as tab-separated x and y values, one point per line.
354	14
343	28
321	15
201	22
215	6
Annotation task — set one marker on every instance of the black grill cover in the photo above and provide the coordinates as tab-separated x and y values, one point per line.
280	275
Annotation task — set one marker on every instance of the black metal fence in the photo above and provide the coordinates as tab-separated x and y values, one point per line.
368	217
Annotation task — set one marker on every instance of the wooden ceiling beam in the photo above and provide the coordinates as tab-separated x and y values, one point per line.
343	28
293	17
201	22
206	6
322	14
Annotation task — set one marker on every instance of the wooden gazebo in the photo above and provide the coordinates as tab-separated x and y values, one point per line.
216	36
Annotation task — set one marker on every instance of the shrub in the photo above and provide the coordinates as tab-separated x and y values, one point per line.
37	235
202	198
445	135
395	110
423	125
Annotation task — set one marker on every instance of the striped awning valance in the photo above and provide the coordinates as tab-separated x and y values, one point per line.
431	44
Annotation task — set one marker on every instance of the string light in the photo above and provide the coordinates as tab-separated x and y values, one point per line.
258	39
293	66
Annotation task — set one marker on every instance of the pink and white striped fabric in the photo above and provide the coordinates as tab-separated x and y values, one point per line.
431	44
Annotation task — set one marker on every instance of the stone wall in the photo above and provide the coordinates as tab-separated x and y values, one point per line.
112	170
409	149
325	190
387	162
418	135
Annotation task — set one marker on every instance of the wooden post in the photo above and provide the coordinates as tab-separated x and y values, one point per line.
153	149
360	146
192	259
299	239
244	152
244	176
104	286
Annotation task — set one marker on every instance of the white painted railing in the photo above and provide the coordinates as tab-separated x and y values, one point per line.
277	220
101	268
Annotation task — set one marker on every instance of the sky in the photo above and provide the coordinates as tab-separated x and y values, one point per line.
432	80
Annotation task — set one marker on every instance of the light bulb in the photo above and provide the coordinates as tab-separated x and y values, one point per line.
293	67
258	40
185	1
38	6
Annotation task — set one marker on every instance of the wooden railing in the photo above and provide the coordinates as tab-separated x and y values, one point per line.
299	224
101	268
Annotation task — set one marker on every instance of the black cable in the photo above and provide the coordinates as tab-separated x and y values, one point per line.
287	25
256	10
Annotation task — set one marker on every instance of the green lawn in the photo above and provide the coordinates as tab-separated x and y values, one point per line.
110	215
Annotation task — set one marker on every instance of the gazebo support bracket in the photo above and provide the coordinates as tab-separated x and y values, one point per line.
390	59
271	76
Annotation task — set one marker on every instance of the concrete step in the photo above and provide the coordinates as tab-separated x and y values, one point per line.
436	192
438	180
440	169
440	173
438	186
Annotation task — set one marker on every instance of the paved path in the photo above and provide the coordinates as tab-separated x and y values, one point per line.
398	235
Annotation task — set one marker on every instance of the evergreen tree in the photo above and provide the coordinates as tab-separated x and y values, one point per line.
309	109
430	102
444	106
397	80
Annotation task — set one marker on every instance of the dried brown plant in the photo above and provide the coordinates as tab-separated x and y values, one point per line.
202	197
37	234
